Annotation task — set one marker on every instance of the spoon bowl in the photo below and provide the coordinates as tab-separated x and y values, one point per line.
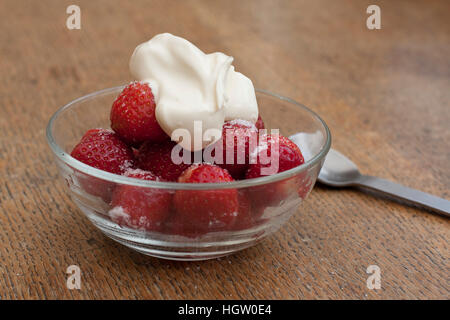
338	170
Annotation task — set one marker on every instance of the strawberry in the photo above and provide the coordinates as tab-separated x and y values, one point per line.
260	123
206	210
102	149
275	153
140	207
157	158
283	155
237	138
133	115
141	174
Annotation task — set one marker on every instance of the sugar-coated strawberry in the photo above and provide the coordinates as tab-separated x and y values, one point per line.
206	210
260	123
141	174
133	115
140	208
275	154
157	158
239	139
102	149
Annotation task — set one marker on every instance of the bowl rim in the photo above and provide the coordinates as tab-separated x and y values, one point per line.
91	171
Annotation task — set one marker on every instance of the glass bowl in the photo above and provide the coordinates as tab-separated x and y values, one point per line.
267	202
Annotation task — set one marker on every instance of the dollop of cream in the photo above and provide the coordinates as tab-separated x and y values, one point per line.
190	86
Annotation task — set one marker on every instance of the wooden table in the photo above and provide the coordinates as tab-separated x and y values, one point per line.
384	93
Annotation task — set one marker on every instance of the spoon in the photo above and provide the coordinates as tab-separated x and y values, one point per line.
339	171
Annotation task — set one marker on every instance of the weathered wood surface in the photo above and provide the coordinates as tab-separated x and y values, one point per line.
384	93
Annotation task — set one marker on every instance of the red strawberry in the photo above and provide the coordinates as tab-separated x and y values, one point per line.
157	158
133	115
275	154
239	139
260	123
206	210
141	174
102	149
283	155
140	207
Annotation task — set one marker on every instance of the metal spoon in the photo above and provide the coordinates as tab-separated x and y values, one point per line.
339	171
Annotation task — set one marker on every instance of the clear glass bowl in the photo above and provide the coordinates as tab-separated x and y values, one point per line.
272	199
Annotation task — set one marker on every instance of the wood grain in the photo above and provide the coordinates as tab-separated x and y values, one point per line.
384	93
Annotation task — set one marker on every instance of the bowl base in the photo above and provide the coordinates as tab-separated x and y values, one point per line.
173	247
183	256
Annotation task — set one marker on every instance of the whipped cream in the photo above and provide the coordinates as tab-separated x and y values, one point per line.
189	85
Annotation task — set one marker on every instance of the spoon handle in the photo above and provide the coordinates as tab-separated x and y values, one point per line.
404	193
